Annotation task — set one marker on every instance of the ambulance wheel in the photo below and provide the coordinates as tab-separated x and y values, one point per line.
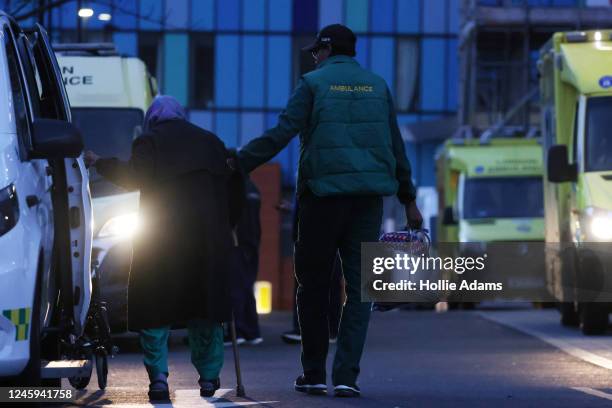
593	318
569	315
102	369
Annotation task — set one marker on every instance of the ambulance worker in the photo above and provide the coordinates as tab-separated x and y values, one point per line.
351	155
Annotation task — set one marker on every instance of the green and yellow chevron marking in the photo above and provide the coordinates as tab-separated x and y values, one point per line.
21	319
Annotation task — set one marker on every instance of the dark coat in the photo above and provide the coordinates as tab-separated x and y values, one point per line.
189	200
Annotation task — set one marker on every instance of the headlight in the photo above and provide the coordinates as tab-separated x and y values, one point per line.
9	209
600	224
123	226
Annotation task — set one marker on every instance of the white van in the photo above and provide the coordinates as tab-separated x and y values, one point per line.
45	210
109	95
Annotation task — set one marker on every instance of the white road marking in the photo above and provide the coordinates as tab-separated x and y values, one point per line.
567	340
594	392
191	398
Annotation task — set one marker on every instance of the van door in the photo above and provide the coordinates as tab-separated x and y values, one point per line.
72	200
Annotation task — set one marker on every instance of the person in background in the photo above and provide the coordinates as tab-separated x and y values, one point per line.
245	262
190	198
351	155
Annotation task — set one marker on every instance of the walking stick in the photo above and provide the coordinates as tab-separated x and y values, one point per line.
239	387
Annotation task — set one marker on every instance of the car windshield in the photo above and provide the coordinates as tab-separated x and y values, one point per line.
109	133
598	146
503	197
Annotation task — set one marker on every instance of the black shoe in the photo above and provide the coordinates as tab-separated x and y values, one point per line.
292	337
158	388
347	391
303	384
208	387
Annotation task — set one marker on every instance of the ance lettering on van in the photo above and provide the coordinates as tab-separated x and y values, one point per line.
351	88
71	79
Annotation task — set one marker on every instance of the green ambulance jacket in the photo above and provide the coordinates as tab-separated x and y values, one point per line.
350	143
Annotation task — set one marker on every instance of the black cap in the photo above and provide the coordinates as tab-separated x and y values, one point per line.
340	37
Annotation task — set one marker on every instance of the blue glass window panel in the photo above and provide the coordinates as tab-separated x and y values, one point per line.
357	14
228	14
251	126
279	15
150	14
226	127
65	16
330	12
126	43
427	171
252	74
434	16
305	16
176	63
433	77
382	58
279	71
203	15
406	119
408	16
253	15
382	15
177	14
453	16
363	51
125	14
226	70
203	119
272	119
452	65
23	9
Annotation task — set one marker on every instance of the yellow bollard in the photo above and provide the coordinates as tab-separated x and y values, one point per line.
263	296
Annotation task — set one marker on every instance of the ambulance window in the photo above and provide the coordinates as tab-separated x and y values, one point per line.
17	88
202	70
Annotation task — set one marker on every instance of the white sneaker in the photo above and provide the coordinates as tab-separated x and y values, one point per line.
227	342
253	342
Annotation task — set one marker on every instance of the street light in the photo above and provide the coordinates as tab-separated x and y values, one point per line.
85	12
104	17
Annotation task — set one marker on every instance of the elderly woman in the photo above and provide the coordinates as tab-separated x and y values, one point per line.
189	199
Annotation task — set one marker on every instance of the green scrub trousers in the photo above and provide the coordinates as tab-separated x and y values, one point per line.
205	342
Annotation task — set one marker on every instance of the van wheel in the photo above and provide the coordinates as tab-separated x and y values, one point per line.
593	318
569	315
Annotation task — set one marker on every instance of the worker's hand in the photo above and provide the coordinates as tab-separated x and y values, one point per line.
90	158
413	216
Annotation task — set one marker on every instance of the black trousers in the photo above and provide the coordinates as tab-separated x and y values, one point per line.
335	301
244	273
328	226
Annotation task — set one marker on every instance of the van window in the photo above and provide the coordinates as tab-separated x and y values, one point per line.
598	144
17	88
503	197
